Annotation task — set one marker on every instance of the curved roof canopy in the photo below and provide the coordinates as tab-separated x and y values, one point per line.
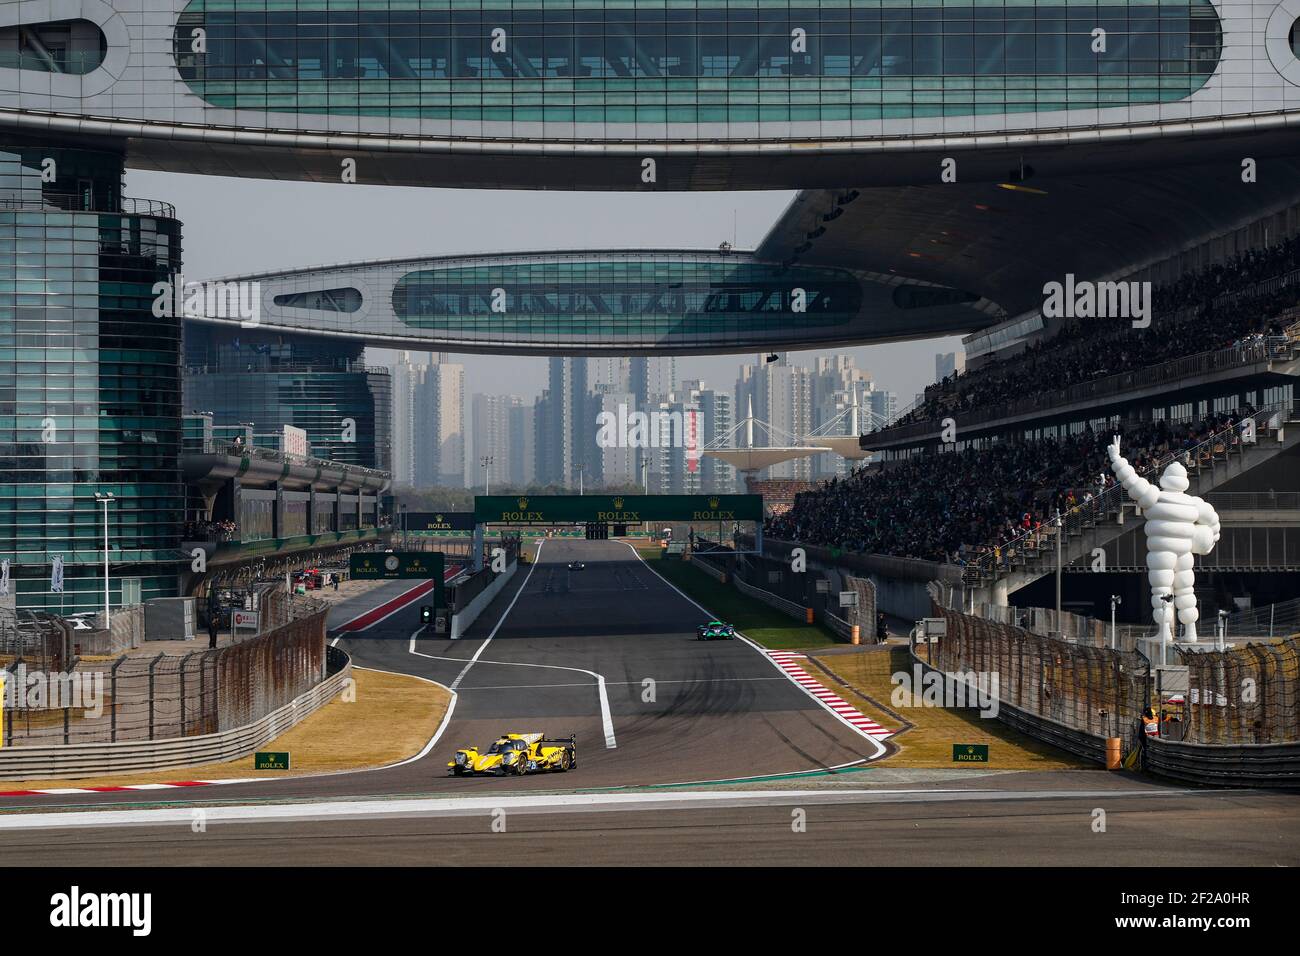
756	459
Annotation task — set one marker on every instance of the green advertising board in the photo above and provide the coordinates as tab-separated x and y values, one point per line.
617	509
434	521
970	753
397	565
271	760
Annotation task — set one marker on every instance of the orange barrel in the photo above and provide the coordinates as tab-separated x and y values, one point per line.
857	635
809	617
1114	753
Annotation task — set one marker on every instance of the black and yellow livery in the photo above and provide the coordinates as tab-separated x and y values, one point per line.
517	754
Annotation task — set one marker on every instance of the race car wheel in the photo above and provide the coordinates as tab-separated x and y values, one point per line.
565	761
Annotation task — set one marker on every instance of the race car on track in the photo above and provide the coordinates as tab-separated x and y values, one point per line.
517	754
715	631
576	566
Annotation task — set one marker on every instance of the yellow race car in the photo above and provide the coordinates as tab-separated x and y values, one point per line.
517	754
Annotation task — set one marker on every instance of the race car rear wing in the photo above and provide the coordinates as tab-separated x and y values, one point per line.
571	740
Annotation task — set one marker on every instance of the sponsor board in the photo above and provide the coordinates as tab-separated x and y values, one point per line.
621	509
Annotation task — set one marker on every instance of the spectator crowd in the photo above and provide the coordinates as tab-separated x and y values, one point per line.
957	506
1185	321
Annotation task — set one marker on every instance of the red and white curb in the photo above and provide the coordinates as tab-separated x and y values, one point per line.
787	661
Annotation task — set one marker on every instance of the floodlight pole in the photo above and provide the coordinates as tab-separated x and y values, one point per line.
1115	601
1060	532
104	499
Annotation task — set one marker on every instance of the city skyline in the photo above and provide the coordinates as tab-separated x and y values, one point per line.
575	432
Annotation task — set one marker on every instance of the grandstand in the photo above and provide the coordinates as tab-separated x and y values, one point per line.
1209	382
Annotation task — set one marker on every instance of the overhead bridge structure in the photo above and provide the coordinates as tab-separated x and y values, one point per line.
572	303
720	94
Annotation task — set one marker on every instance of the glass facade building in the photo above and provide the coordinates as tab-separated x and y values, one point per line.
692	61
90	382
648	298
270	380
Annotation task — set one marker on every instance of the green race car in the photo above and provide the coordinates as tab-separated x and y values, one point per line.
715	631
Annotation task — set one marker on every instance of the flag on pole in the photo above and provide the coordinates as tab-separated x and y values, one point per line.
56	575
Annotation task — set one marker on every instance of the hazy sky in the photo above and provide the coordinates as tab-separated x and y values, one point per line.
245	225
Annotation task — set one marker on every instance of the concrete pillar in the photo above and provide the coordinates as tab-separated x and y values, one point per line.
1001	593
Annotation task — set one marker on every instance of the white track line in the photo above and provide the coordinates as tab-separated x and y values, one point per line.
606	716
879	747
506	613
541	803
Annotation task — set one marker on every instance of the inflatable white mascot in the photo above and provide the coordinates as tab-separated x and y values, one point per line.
1178	526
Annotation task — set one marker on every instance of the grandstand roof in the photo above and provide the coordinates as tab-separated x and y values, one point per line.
846	446
1004	243
755	459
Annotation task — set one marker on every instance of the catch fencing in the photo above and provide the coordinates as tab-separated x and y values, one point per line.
167	695
1093	690
1244	695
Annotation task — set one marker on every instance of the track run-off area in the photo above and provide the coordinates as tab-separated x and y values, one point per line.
675	737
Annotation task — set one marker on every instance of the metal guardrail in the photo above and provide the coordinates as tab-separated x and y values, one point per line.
702	562
218	446
1274	620
797	611
76	202
87	759
837	624
1254	500
1241	765
175	695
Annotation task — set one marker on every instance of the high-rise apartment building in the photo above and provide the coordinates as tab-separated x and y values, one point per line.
782	399
716	419
440	417
565	425
490	439
408	384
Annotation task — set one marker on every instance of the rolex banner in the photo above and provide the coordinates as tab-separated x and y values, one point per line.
620	509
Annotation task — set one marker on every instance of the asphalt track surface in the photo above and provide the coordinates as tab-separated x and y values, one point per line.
536	660
720	709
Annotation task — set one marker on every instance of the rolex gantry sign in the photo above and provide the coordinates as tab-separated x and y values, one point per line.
618	509
396	565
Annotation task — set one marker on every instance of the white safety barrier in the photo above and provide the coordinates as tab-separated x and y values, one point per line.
462	619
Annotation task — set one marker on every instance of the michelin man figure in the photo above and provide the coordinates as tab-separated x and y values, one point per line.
1178	526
